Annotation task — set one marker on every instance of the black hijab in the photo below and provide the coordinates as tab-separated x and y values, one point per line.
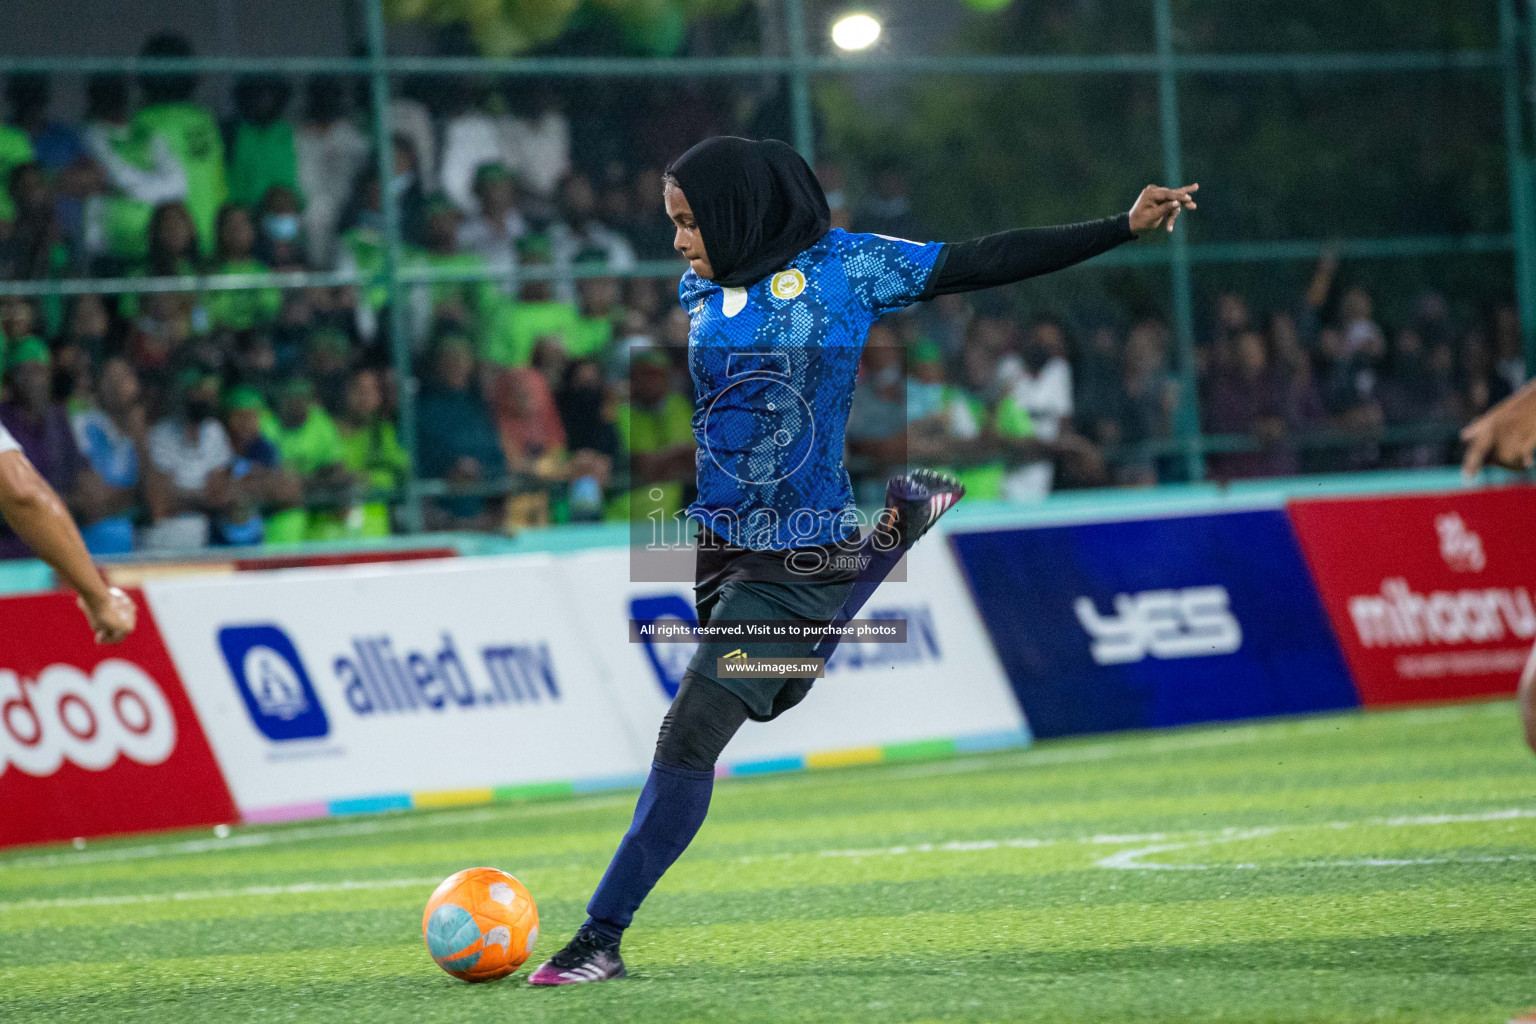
757	204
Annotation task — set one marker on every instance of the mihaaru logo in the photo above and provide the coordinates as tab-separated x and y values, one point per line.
786	284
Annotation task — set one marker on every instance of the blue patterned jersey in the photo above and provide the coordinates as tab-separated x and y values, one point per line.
774	367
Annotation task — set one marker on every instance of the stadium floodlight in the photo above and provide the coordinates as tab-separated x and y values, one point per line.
855	32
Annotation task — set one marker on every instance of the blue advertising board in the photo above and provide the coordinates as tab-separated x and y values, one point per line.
1155	622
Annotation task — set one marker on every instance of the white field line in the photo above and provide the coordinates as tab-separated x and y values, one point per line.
1131	860
1088	753
221	894
1161	841
409	821
422	820
1123	860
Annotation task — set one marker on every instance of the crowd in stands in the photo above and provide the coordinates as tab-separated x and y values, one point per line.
175	420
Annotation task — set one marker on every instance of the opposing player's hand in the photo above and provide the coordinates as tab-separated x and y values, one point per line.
112	615
1161	206
1504	435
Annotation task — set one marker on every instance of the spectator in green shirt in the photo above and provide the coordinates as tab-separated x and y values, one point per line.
261	152
598	303
309	444
655	430
188	129
173	252
517	327
370	450
241	310
15	150
467	307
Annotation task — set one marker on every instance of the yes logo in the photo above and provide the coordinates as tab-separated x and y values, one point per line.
1191	623
277	692
786	284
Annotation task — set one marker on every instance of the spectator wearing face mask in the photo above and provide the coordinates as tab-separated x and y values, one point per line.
234	253
189	131
279	242
261	147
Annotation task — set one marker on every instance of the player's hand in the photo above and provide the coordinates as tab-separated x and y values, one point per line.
112	615
1504	435
1161	206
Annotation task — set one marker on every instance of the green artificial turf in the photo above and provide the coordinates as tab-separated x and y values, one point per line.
1357	867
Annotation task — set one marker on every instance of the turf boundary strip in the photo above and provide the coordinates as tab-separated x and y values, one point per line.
908	751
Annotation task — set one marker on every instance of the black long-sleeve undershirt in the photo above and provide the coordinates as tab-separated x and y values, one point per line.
1011	256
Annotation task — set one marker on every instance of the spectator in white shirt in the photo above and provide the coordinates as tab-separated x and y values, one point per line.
192	449
1042	387
330	151
579	230
537	144
492	230
470	139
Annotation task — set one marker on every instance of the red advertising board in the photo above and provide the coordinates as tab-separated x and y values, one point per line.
96	740
1432	596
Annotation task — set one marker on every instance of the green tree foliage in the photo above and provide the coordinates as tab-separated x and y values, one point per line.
505	28
1279	155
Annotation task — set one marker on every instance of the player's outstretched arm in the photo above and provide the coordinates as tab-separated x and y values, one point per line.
1504	435
37	514
1012	256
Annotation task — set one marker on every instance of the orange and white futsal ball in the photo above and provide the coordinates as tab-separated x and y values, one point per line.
480	924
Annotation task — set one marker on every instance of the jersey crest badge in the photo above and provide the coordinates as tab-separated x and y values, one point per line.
786	284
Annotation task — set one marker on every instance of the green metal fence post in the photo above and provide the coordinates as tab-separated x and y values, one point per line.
400	342
799	80
1188	427
1522	224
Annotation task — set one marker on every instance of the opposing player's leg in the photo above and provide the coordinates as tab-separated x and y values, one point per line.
1527	700
703	718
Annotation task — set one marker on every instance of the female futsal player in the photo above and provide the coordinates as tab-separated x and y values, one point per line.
780	306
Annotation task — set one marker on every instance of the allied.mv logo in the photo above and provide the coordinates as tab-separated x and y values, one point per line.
272	682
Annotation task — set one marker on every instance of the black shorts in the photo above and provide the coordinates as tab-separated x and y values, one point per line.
733	584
